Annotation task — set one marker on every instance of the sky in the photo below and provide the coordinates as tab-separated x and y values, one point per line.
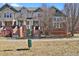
60	6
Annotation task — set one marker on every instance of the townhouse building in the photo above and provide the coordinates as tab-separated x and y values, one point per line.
17	21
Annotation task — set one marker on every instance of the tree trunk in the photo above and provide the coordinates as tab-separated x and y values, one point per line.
72	32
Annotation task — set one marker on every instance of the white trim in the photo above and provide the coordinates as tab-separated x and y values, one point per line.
3	24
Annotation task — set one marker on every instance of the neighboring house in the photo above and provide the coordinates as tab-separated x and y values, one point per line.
58	23
31	18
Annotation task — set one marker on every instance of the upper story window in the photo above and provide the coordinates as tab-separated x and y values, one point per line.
29	14
57	18
35	22
7	15
57	22
37	14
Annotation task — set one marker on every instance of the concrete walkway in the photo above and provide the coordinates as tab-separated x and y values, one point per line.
43	39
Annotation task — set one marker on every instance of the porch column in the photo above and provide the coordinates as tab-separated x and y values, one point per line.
17	22
24	22
3	24
13	22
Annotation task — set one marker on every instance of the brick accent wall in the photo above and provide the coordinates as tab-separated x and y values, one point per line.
58	32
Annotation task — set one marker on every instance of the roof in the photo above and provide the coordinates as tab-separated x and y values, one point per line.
38	10
18	9
7	5
58	12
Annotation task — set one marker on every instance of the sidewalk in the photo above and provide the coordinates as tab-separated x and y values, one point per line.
43	39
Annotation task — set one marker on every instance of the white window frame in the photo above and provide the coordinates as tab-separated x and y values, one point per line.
8	15
57	18
56	25
57	21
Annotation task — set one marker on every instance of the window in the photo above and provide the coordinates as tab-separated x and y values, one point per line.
39	15
54	18
57	22
35	22
56	25
7	15
29	14
27	22
57	18
4	15
61	25
10	15
20	23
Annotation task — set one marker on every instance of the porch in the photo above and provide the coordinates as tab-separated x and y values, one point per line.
17	29
11	28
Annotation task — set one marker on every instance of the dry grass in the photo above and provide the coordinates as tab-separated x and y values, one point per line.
43	48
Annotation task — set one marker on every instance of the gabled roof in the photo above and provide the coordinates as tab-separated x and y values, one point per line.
7	5
21	9
38	10
58	12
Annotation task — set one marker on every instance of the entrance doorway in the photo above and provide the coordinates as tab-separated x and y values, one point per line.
36	27
8	28
36	31
8	23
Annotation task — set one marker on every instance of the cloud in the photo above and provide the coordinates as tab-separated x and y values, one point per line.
15	5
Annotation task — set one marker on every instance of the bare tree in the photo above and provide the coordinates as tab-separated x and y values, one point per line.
44	15
45	19
72	12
